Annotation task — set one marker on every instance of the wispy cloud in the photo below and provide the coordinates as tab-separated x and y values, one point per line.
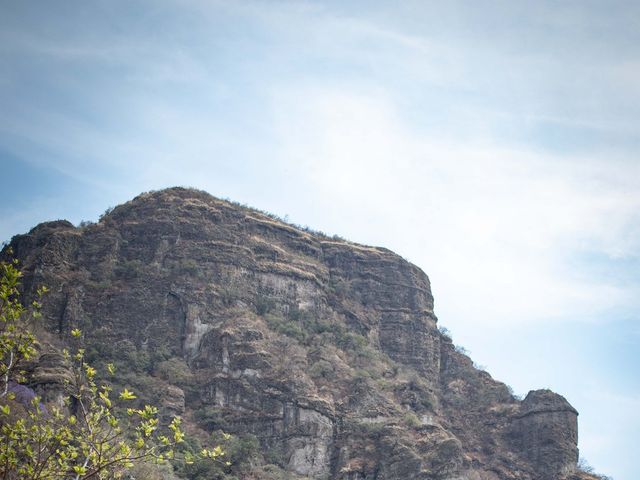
491	223
492	144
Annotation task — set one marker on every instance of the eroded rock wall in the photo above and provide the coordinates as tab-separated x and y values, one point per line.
325	350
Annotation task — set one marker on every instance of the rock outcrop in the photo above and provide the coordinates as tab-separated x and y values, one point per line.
328	352
546	432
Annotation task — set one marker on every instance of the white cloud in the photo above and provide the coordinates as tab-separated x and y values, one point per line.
491	225
612	417
490	222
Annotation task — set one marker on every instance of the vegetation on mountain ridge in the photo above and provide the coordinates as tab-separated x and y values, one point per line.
87	434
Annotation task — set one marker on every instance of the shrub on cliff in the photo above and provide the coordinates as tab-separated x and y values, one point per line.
96	433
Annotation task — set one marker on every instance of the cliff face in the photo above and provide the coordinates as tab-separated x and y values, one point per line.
325	350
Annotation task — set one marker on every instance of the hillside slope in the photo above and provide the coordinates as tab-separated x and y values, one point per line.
326	351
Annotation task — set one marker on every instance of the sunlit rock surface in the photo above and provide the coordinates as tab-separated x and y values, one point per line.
327	351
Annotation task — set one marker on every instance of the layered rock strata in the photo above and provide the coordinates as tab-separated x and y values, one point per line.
327	351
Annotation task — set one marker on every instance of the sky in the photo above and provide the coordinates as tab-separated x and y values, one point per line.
493	144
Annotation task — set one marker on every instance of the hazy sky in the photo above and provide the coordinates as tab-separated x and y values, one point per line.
494	144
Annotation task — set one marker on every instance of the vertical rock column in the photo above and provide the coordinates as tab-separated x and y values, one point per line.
546	433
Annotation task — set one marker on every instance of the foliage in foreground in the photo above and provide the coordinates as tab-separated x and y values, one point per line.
93	433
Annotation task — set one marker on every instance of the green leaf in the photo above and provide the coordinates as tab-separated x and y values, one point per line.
127	395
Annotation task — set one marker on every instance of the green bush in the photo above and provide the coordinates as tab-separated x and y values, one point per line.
321	369
350	341
411	420
264	304
174	370
209	417
242	453
286	327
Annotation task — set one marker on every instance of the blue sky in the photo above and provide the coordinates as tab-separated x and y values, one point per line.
494	144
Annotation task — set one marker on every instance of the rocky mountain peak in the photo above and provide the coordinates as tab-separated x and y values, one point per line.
325	351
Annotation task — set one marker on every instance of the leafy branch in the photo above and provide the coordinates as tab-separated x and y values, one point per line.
94	434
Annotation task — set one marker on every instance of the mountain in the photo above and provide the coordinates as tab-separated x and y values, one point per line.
323	356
